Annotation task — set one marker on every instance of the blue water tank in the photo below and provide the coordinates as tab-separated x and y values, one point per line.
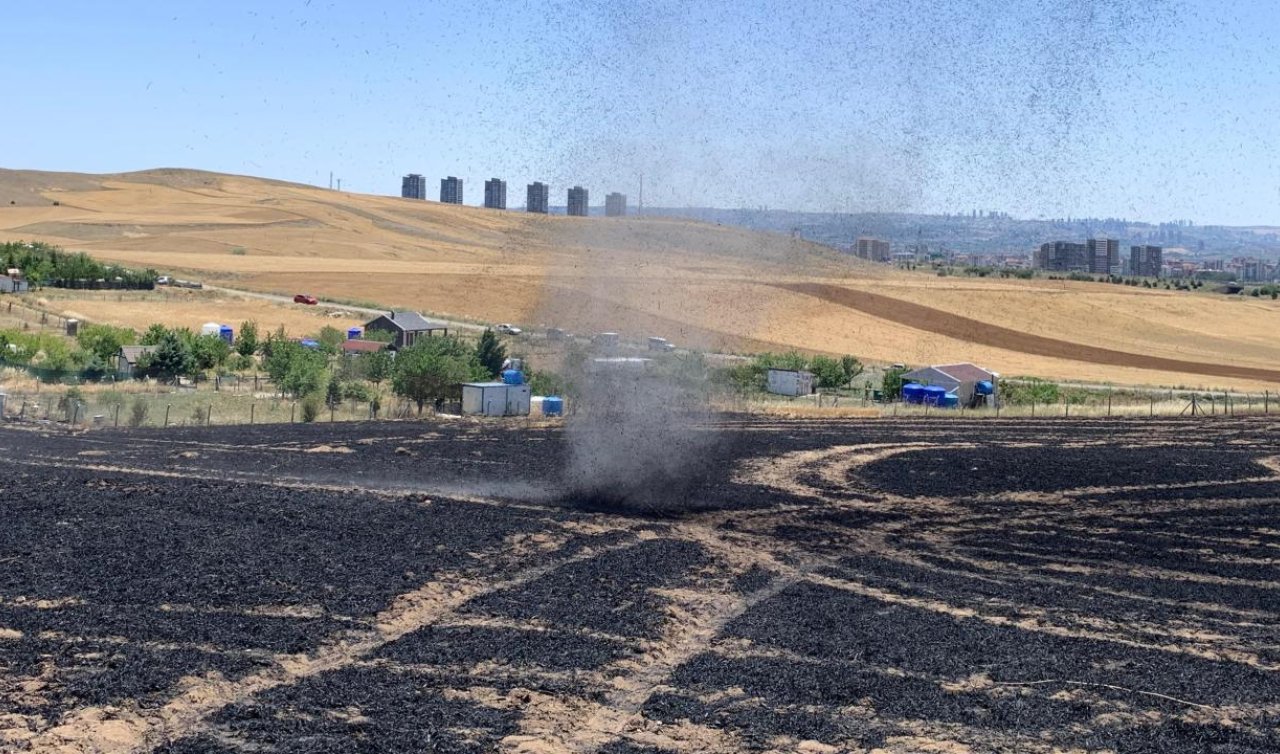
355	333
934	395
984	387
950	400
226	333
913	392
513	377
552	406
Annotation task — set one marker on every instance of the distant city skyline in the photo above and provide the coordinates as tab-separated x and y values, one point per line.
1142	109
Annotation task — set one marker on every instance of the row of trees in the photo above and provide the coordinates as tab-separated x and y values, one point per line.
830	372
43	263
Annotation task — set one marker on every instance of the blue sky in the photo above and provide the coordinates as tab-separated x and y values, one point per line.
1147	109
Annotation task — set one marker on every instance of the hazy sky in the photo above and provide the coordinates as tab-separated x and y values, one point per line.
1147	109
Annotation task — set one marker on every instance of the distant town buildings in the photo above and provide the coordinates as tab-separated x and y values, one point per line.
495	194
615	205
1100	256
578	201
539	197
1104	256
413	186
451	190
1146	260
873	250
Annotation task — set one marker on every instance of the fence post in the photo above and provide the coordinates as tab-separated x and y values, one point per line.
1266	402
117	420
208	416
166	413
292	408
75	412
1153	405
1066	408
252	406
332	414
1108	403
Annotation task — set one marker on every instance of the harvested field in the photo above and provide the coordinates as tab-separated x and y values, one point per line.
701	285
860	586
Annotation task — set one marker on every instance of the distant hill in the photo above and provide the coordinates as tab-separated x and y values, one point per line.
987	235
709	283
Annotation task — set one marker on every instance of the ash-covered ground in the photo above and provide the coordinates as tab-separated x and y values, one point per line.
818	586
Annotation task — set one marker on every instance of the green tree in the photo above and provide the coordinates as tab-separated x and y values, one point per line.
210	351
377	366
330	339
829	372
490	352
892	383
153	335
247	341
852	368
104	341
433	368
333	393
379	336
171	359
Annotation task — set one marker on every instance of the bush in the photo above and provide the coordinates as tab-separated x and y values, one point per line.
828	371
138	412
358	392
891	385
310	408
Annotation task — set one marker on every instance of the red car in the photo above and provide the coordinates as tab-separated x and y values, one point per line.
303	298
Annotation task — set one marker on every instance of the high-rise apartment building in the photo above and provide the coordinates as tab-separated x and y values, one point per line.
1146	261
1104	256
413	186
539	198
451	190
873	250
578	201
1064	256
615	205
495	194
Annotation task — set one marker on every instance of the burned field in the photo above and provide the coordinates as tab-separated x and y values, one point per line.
1020	586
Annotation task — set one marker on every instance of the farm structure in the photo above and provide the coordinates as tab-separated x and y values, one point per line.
127	360
406	327
791	382
496	399
970	384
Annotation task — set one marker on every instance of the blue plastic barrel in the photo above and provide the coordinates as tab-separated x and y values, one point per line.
552	406
226	333
355	333
950	400
984	387
934	395
913	392
513	377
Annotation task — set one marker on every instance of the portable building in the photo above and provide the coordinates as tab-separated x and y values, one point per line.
791	382
495	399
127	360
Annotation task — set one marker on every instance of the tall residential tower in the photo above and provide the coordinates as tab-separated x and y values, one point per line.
413	186
451	190
495	194
578	201
539	198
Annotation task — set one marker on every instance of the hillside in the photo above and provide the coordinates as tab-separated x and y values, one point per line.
696	283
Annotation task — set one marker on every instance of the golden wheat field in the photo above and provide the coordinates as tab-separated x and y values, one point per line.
698	284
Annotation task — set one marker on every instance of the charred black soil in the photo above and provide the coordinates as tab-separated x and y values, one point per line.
949	586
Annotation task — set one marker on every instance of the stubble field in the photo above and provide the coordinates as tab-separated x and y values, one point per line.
1020	586
701	285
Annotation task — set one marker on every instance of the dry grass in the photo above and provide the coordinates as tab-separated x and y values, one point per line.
695	283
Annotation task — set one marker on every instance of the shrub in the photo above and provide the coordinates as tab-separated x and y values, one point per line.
138	412
310	408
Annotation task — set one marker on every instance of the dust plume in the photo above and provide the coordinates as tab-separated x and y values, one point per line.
639	439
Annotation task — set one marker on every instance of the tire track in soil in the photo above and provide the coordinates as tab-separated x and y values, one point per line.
970	330
92	731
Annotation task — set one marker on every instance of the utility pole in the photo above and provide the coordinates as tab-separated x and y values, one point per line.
640	204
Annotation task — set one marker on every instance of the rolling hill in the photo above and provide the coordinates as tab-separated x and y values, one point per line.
696	283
